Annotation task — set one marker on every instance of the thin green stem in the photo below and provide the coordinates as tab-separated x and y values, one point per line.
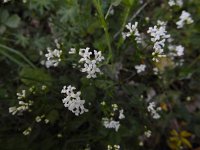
12	58
105	27
18	53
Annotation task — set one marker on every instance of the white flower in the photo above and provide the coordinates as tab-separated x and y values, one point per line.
13	110
153	110
158	37
23	106
72	51
46	121
57	44
44	87
185	18
5	1
72	100
59	135
121	114
27	131
180	50
171	2
38	119
155	70
140	68
53	57
115	147
90	65
132	31
110	123
179	3
175	2
115	107
21	95
147	133
180	63
176	50
141	143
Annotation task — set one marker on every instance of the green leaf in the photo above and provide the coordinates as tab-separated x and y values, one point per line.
129	2
13	21
104	84
35	76
88	93
53	116
116	2
4	16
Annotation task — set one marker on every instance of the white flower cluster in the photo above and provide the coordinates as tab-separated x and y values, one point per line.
115	147
159	36
53	56
176	51
185	18
23	106
90	65
175	2
147	133
90	60
132	31
110	122
180	62
39	119
21	95
27	131
155	71
154	111
5	1
140	68
73	101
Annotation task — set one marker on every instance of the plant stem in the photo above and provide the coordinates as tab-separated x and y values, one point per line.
18	53
11	58
105	27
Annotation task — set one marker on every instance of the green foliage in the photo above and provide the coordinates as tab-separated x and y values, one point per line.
28	28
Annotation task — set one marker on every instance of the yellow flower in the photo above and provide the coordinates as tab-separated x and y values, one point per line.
179	140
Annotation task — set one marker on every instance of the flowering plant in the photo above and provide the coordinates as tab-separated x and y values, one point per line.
99	74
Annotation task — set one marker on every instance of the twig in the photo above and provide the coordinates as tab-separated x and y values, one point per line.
108	12
138	11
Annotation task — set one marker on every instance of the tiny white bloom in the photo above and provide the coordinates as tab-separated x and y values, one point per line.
72	51
121	114
109	123
44	87
140	68
147	133
21	95
152	109
27	131
175	2
38	119
46	121
13	110
132	31
185	18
